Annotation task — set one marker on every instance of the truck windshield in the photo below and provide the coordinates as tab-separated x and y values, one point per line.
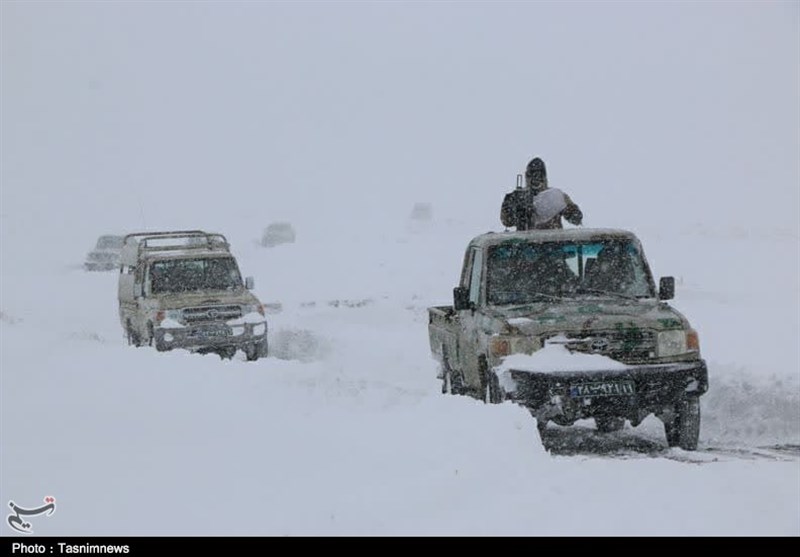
520	272
184	275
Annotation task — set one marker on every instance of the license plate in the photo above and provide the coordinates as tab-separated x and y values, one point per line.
212	333
602	388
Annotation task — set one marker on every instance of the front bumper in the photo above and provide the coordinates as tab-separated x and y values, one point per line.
210	336
633	393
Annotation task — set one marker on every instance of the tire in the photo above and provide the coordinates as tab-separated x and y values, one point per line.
490	383
541	426
160	345
609	424
132	335
447	374
447	381
683	430
227	353
256	350
452	383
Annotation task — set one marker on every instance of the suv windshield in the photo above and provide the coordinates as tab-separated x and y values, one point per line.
183	275
520	272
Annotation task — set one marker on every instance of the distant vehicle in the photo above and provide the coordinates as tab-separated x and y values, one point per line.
183	289
422	212
591	291
105	255
278	233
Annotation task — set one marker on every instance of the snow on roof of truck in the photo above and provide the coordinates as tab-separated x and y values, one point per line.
171	244
554	235
193	253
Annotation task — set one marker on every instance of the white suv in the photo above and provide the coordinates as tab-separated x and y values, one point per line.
183	289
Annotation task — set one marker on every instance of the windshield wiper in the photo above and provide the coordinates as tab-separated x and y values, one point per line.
608	292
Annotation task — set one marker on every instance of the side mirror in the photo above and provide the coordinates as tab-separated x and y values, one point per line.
666	288
460	298
249	283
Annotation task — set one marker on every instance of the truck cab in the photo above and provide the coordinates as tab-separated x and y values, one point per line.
184	289
579	291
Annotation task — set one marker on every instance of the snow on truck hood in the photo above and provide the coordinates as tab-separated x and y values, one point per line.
555	358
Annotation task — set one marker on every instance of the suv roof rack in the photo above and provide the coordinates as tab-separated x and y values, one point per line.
139	243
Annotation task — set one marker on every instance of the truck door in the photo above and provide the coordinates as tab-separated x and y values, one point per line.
127	303
468	331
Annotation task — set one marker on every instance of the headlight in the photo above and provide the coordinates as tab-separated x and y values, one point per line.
503	345
172	314
252	308
672	343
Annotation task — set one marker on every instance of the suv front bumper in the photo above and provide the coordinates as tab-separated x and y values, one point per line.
210	336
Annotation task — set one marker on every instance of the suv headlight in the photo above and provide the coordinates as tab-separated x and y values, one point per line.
174	315
672	343
252	308
505	345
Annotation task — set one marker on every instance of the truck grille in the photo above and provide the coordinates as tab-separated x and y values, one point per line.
627	345
209	314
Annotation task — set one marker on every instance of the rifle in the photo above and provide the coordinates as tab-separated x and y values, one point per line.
523	205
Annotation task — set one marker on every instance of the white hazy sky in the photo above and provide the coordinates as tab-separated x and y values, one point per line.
120	115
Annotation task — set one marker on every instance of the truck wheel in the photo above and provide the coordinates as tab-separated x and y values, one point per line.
160	344
490	383
541	426
609	424
256	350
132	335
227	353
493	393
688	423
447	381
683	430
452	383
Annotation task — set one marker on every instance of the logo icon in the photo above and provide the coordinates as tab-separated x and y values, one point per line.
18	524
599	344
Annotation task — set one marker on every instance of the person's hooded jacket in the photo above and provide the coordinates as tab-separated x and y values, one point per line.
537	206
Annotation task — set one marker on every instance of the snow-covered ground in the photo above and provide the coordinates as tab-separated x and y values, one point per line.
343	430
343	118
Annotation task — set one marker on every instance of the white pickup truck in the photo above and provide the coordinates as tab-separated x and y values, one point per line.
183	289
589	291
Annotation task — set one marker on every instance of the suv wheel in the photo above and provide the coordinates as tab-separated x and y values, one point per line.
256	350
227	353
132	335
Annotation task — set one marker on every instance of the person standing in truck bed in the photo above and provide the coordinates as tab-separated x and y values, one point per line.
536	206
